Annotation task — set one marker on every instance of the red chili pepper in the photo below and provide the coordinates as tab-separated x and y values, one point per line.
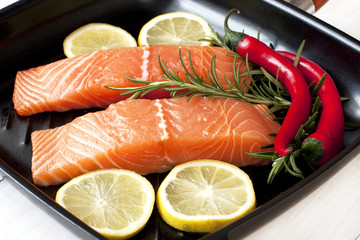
293	81
330	129
262	55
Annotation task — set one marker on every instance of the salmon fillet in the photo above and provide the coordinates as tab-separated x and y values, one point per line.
78	82
151	136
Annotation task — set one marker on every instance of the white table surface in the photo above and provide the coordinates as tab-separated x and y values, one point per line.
330	209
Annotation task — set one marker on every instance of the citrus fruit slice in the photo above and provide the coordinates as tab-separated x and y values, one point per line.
96	36
204	196
117	203
178	28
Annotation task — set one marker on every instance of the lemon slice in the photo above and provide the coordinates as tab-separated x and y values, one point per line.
204	196
96	36
178	28
117	203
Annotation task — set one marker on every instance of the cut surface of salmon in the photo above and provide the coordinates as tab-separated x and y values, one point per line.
78	82
152	136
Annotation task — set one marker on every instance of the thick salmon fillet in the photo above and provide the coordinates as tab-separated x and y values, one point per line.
78	82
149	136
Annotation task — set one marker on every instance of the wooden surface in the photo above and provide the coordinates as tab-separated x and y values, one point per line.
329	209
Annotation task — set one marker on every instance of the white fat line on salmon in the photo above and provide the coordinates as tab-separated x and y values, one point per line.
43	182
162	124
48	156
28	90
56	167
85	65
145	61
263	110
99	135
67	67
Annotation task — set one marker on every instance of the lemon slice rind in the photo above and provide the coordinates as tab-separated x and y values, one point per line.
203	222
73	196
96	36
175	28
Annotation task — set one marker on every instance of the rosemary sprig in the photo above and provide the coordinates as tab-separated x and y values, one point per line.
288	162
261	90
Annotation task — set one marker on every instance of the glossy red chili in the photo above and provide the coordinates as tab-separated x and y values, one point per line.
330	129
292	79
262	55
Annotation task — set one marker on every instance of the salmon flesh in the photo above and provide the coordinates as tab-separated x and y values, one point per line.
79	82
152	136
